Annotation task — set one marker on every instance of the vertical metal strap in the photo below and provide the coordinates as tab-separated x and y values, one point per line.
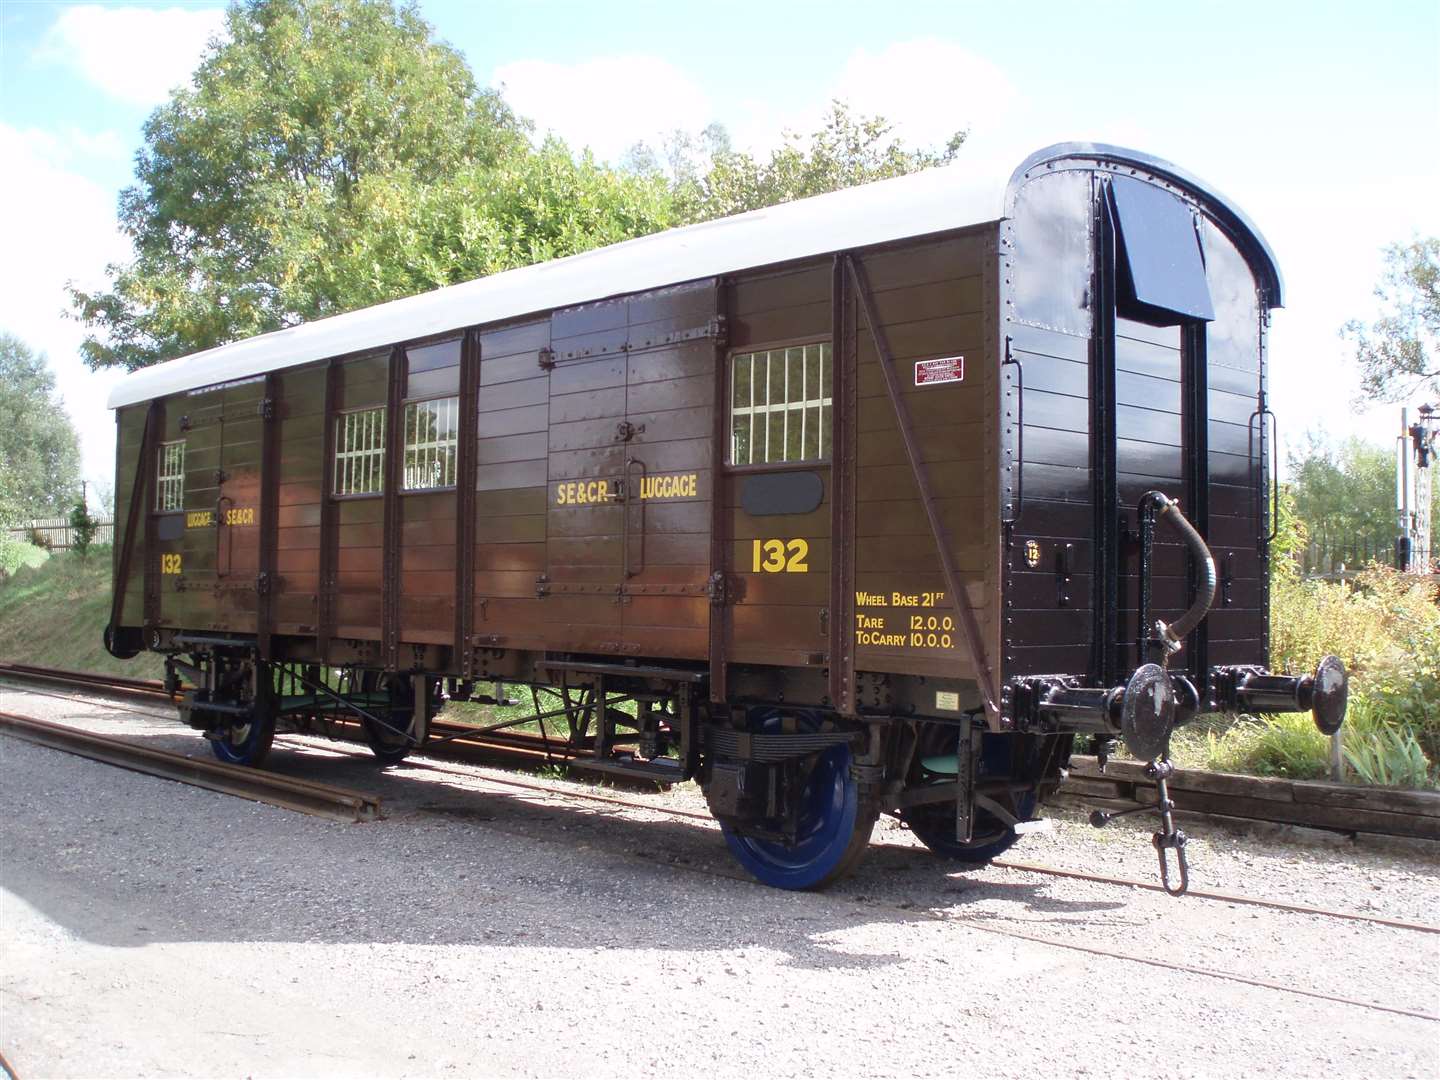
390	587
1106	600
954	585
467	454
842	493
719	511
1264	551
152	556
1196	420
329	513
266	582
139	491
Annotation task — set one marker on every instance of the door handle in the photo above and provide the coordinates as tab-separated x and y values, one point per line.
632	463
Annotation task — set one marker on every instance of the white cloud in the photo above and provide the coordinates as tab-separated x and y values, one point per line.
59	226
135	54
928	88
608	104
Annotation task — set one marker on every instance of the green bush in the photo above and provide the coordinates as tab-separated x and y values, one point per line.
1385	626
1384	754
1285	744
82	528
16	553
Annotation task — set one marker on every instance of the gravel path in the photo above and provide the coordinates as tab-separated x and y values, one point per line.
489	929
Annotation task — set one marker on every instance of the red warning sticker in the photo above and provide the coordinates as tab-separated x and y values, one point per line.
942	370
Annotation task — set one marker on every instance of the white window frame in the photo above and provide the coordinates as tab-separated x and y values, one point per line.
359	452
170	477
813	352
433	469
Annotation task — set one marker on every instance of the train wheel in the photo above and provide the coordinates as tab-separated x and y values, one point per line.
833	829
934	823
392	741
246	742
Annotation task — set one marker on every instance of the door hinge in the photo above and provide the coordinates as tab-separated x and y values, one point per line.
717	588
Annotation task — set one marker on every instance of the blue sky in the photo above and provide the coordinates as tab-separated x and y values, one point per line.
1322	120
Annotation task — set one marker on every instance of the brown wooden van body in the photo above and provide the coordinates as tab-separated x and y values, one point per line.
998	406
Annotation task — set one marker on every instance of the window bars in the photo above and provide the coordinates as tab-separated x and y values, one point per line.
780	405
431	441
170	477
360	452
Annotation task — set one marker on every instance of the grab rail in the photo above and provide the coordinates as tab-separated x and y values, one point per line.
1017	502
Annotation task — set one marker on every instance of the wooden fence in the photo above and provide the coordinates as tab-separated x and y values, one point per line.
1339	556
1346	808
58	534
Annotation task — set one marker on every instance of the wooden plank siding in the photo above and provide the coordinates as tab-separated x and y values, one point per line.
357	602
929	299
515	414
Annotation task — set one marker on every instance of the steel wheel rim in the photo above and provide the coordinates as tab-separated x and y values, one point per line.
829	810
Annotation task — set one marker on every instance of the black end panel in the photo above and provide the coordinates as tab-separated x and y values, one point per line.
1046	472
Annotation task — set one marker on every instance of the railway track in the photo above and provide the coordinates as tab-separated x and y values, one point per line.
517	748
110	684
446	738
305	796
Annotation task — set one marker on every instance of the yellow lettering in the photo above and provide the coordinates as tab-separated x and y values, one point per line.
774	556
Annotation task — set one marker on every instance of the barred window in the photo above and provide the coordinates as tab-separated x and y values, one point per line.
170	476
360	452
431	437
780	405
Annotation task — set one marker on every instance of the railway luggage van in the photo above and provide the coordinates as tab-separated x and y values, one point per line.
877	502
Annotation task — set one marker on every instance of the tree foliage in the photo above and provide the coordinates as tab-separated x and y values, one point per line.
255	171
1344	492
331	154
1399	353
408	237
844	151
39	450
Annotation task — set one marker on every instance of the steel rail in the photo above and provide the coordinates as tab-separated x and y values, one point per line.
305	796
522	749
114	683
1073	946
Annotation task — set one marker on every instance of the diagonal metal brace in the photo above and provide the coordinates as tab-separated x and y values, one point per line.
970	628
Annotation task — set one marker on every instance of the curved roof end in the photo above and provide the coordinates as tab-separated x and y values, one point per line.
1257	251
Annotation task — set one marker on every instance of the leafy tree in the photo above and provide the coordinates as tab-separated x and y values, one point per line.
330	154
1344	493
1399	353
11	510
250	177
39	449
845	151
408	236
83	527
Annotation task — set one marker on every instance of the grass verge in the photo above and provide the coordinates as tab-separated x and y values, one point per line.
53	614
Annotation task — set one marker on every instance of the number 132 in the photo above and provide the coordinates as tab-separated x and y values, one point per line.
779	556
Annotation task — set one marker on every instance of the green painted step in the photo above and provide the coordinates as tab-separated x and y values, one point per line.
945	764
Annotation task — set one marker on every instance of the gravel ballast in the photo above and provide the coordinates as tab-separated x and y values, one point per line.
489	929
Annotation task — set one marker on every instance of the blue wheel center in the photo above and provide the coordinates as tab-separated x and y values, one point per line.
828	805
